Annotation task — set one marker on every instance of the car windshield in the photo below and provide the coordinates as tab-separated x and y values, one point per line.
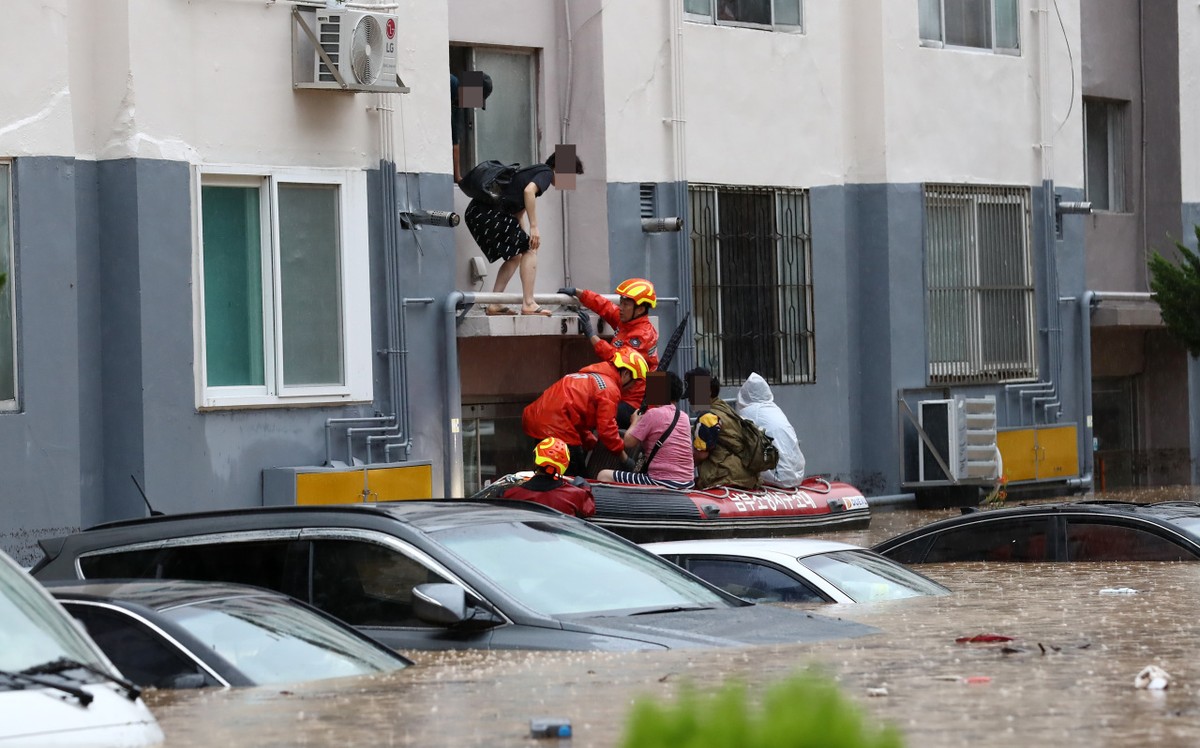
273	641
558	569
33	629
865	576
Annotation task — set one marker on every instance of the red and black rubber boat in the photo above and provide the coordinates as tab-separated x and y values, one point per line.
650	513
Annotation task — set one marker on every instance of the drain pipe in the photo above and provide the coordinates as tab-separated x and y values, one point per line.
686	352
1086	301
452	461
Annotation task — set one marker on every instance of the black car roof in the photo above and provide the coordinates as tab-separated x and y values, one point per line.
155	594
425	514
1163	512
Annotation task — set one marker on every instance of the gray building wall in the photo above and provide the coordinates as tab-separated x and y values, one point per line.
1131	53
42	445
870	323
107	369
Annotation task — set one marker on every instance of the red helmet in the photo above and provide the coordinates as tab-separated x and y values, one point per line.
640	290
552	453
627	358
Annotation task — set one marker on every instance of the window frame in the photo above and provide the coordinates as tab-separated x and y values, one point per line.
353	286
940	42
974	366
8	246
795	348
469	154
711	19
1117	148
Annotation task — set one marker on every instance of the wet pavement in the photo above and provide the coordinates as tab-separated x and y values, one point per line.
1067	677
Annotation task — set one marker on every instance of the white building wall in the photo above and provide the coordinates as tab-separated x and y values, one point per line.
36	118
853	99
208	82
542	27
1189	102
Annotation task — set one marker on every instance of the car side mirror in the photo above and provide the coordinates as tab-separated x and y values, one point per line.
444	604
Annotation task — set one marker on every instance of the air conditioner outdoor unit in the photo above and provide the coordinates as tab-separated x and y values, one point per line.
345	50
963	431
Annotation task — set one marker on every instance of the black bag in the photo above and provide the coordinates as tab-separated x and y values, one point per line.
488	181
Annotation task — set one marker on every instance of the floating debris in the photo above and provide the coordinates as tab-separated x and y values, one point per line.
983	639
1118	591
1152	678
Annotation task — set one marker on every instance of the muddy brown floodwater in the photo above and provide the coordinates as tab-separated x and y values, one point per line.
1067	678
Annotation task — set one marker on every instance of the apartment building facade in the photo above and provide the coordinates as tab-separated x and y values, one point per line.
223	289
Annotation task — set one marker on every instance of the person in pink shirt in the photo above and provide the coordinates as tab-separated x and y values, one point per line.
665	436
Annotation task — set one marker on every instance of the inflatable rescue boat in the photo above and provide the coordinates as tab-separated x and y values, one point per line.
646	514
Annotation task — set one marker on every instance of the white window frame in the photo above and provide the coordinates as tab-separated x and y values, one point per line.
8	245
940	43
354	262
712	19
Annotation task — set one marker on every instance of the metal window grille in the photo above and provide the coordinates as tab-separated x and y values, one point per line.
752	283
979	283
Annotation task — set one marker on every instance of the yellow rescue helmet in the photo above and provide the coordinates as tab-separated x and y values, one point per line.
640	290
627	358
552	452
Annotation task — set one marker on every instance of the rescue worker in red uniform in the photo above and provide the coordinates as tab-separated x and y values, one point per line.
550	487
583	402
631	320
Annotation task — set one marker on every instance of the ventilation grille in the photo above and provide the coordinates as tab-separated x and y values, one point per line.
646	199
329	33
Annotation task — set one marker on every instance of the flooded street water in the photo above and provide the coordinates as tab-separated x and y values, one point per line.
1066	679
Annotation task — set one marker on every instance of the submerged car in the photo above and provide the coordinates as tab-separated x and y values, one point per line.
443	574
795	570
56	687
175	634
1062	531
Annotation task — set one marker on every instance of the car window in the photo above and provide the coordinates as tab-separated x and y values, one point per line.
272	640
1089	540
752	580
33	629
1011	539
274	564
865	576
141	655
557	568
367	584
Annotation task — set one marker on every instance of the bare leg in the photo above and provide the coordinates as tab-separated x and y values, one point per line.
503	276
528	279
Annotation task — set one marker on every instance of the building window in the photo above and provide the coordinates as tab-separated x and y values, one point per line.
8	336
752	282
779	15
1106	153
505	128
284	288
978	24
979	284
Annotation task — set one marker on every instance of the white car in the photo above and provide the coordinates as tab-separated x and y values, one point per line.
796	570
56	687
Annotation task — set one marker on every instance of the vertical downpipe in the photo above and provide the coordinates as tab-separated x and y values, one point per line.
686	351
